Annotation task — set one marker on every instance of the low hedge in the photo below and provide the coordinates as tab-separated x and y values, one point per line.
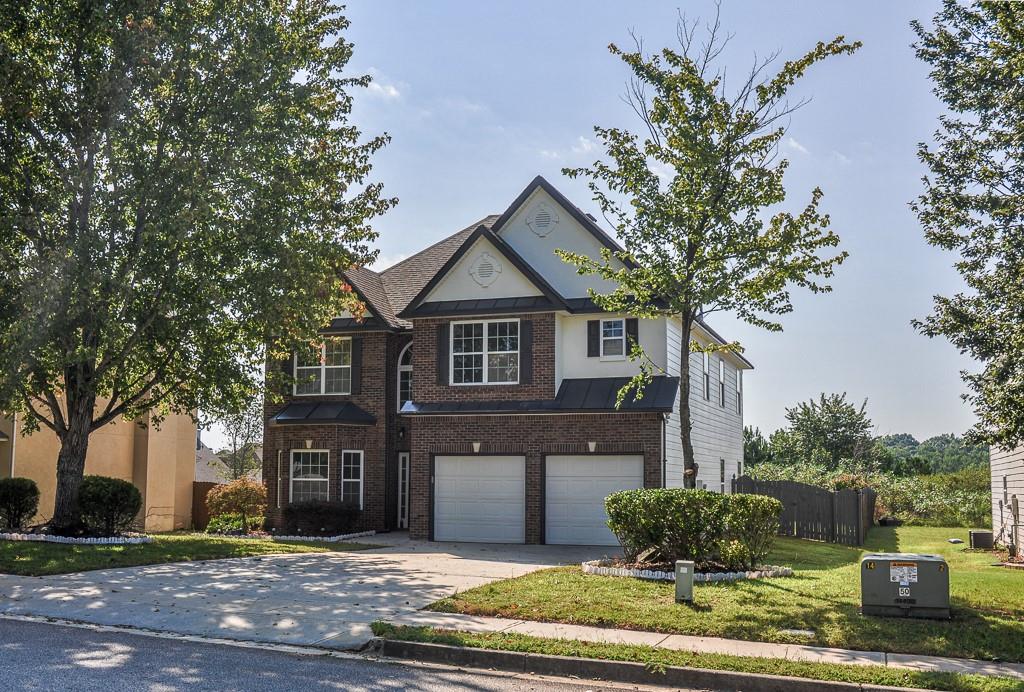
714	530
19	502
233	524
321	518
108	505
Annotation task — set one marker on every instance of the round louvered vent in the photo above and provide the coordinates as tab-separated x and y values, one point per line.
542	220
485	269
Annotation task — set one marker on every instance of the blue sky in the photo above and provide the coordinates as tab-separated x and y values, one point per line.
480	97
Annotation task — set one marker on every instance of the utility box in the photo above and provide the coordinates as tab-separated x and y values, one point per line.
980	540
904	585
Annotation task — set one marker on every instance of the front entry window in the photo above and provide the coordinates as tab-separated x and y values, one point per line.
405	377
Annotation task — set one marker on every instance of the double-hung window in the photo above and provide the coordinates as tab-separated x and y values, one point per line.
309	475
352	477
707	376
613	338
721	467
721	383
326	369
485	352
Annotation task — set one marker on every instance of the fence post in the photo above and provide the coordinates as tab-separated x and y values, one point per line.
860	518
833	532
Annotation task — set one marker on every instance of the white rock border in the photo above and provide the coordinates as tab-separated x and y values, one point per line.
46	538
308	539
602	568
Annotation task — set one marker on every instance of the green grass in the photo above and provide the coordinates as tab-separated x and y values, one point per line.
35	559
660	658
823	596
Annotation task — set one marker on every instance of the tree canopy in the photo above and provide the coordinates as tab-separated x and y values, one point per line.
180	186
973	201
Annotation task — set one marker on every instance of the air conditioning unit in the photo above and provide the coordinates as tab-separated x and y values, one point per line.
981	540
904	585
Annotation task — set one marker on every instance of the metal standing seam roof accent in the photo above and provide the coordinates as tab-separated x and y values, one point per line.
322	413
585	395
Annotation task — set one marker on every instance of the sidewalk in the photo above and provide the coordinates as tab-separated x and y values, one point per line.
732	647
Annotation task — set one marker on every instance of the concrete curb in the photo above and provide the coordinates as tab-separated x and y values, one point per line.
616	671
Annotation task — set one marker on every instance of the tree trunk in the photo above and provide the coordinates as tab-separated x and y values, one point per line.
685	420
74	443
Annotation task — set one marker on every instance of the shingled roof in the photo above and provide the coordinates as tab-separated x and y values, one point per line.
370	287
405	280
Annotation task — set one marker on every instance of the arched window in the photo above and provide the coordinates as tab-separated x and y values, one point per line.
405	376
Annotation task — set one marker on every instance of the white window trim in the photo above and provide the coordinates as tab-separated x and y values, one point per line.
323	371
613	356
401	369
721	382
341	474
739	391
706	365
486	323
291	471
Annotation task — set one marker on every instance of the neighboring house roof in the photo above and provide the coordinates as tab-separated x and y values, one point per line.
323	413
503	248
589	395
405	280
210	468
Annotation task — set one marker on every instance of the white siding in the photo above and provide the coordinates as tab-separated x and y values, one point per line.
571	352
1008	465
716	433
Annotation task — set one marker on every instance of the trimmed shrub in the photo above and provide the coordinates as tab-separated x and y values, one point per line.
751	524
19	502
108	505
233	524
678	524
244	497
321	518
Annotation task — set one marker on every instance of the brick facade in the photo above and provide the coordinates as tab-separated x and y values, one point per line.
532	436
426	387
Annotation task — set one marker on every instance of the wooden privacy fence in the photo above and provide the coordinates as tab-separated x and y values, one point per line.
841	516
200	512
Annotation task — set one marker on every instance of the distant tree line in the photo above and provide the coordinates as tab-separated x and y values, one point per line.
831	432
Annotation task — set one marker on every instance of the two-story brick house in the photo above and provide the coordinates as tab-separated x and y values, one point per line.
476	401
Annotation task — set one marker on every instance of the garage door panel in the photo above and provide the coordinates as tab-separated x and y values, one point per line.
480	499
575	489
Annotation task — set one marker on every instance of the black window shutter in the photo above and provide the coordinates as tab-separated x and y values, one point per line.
357	365
632	333
593	338
442	354
288	372
526	352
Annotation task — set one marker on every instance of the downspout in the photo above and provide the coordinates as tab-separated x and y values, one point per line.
664	457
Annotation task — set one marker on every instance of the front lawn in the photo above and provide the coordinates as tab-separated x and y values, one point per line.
655	658
823	596
35	559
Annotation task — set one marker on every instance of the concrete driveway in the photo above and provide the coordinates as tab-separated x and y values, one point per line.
326	599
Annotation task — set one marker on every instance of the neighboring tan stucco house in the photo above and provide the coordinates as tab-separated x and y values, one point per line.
1007	496
159	461
476	399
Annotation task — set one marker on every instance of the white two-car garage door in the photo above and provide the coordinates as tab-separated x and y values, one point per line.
480	499
575	489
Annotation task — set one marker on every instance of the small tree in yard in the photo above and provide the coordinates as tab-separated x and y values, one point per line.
973	202
697	241
244	497
179	187
243	429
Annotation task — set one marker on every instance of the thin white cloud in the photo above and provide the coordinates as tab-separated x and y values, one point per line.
550	154
796	146
583	145
388	92
664	172
841	158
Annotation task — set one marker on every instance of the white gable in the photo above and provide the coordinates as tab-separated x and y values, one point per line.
482	272
538	228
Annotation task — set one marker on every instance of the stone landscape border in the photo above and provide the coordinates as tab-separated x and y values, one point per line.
47	538
308	539
603	568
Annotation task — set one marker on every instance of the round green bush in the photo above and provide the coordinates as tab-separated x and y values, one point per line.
751	525
108	505
19	502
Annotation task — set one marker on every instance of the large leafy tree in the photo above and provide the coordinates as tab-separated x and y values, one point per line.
694	198
179	186
973	202
825	431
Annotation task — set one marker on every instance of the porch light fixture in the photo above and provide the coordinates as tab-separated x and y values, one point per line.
476	448
592	446
401	433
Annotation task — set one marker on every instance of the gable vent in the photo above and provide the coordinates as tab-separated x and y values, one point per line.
542	220
485	269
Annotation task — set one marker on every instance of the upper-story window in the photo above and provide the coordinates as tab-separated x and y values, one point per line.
326	369
721	383
613	338
485	352
405	376
739	391
707	375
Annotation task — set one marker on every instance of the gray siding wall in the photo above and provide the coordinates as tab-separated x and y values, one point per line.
717	431
1007	483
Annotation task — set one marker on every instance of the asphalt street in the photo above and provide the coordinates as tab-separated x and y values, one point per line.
38	656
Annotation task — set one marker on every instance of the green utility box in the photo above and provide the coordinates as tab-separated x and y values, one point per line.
904	585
